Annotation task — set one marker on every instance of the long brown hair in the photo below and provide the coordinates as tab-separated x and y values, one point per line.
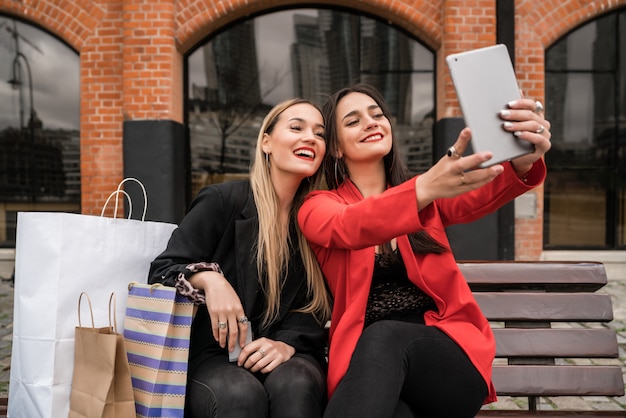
396	173
273	246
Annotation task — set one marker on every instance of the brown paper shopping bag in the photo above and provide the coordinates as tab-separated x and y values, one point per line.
101	383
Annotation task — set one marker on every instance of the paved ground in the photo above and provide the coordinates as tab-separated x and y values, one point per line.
6	332
616	288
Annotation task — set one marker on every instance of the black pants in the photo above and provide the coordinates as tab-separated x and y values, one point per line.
220	389
404	369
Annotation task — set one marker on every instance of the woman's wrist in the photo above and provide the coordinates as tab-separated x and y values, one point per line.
202	280
522	172
194	280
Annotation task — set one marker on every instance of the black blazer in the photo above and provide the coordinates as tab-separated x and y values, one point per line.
222	226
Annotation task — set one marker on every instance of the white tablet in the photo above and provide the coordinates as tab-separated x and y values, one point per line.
485	82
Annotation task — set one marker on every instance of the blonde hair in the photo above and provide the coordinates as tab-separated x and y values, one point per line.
273	243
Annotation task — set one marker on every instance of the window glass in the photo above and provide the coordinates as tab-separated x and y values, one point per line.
39	125
583	126
237	75
576	209
587	48
586	104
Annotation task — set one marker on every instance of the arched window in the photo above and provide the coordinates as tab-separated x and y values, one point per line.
237	75
585	203
39	125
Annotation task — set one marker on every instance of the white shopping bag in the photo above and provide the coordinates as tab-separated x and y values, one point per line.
58	256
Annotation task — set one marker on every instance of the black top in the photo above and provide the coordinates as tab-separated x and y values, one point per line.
393	295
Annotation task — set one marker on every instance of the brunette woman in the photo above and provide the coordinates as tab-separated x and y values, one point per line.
407	337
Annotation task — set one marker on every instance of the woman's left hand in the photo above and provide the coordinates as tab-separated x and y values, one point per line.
525	118
264	355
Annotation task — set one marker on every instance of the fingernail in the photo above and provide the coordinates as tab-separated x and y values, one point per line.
508	125
512	103
517	133
505	113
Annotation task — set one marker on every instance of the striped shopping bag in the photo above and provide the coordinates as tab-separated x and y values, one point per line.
156	330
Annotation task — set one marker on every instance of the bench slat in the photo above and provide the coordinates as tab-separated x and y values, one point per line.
551	414
556	343
578	380
534	275
551	307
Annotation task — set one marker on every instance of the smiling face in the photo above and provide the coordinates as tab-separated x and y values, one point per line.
296	144
363	131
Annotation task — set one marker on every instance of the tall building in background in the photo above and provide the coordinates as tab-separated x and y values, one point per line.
231	67
309	61
224	118
340	34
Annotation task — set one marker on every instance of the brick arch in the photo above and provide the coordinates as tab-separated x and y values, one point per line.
540	23
551	19
195	19
72	21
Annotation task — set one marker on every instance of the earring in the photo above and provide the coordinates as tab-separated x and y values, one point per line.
267	159
336	176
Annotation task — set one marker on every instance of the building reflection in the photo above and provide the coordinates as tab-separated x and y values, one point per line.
329	51
39	166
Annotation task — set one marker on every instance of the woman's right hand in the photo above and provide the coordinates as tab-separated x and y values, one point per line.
450	176
224	307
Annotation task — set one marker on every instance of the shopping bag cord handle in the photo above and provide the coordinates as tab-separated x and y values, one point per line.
152	287
90	309
112	302
143	189
130	203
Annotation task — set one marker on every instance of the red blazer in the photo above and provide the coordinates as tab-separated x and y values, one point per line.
343	229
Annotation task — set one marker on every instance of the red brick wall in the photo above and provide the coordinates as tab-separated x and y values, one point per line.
131	58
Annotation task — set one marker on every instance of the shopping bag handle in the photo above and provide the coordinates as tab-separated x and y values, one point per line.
130	203
113	324
119	190
143	189
152	286
90	309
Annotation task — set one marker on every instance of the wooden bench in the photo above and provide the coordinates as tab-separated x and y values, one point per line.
535	357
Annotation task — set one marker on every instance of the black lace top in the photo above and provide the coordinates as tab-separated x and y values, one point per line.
393	295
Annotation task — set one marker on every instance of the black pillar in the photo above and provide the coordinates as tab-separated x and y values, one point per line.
493	236
156	153
505	34
478	240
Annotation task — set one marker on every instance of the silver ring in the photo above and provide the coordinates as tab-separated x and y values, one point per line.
538	107
243	320
221	325
463	182
261	352
452	153
540	130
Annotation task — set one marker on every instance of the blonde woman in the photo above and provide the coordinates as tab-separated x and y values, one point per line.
240	252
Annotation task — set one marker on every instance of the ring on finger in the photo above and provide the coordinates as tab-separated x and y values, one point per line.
222	325
463	182
540	130
538	107
243	320
261	352
452	153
